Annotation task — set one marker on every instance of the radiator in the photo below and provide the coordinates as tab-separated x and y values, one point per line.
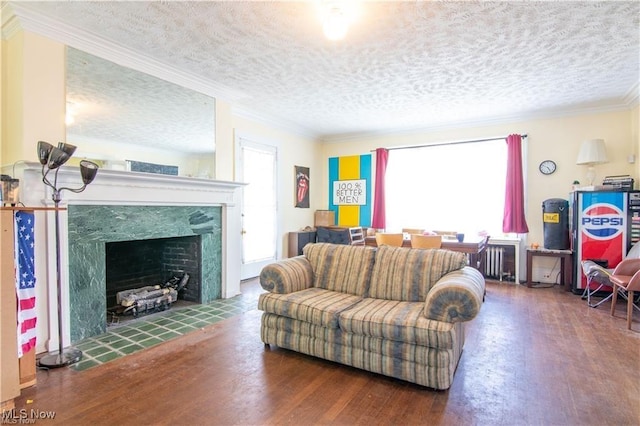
494	263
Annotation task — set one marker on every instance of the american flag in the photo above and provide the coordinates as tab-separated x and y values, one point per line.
25	282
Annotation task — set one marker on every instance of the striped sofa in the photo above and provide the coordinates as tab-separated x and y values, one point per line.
390	310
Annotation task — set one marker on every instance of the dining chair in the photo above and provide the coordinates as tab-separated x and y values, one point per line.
356	234
426	241
390	239
626	280
412	231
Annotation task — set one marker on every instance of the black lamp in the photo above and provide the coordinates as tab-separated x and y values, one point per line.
52	158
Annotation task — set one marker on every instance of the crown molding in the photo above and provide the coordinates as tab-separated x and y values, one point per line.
622	105
10	23
632	97
273	122
30	19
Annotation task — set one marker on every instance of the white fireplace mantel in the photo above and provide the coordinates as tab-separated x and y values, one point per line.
128	188
115	187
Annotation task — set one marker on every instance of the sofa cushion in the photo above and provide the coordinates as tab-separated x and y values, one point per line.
408	274
313	305
398	321
341	268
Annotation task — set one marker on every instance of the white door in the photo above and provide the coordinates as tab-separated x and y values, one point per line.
257	168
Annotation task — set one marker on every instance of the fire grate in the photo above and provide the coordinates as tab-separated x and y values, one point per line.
147	299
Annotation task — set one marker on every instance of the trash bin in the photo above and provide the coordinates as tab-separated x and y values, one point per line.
555	219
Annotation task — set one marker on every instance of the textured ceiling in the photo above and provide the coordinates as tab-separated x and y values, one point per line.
402	65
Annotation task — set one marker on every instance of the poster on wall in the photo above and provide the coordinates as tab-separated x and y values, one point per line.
350	192
302	187
350	189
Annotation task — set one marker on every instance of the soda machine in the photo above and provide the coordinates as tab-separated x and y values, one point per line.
604	226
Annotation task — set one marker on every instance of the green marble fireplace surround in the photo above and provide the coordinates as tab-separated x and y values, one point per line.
90	227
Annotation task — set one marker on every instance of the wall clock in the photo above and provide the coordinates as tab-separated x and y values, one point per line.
547	167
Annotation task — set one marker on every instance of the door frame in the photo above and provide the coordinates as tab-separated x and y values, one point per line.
246	139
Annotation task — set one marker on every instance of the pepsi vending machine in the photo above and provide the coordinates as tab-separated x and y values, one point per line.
604	226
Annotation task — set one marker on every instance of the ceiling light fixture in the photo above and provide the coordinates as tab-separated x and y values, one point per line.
336	18
335	24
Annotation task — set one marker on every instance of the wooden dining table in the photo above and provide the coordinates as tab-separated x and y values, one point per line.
474	246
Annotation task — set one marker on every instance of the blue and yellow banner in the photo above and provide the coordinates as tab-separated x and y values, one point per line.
350	189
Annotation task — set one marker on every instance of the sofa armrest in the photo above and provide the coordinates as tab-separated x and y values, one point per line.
287	275
456	297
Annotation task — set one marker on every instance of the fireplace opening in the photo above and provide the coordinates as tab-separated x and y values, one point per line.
161	262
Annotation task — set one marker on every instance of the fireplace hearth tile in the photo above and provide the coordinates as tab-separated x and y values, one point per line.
164	321
160	327
109	356
127	332
127	350
97	351
150	342
119	343
168	335
185	329
85	364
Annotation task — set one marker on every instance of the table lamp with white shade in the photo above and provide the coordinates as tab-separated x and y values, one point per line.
592	152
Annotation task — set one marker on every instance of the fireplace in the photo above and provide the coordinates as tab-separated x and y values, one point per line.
93	230
140	263
126	206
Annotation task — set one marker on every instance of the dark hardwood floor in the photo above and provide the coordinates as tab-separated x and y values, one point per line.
536	356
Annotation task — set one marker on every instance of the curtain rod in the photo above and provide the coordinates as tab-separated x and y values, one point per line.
446	143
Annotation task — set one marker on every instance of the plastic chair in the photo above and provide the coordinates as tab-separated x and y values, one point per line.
426	241
389	239
595	274
626	281
602	276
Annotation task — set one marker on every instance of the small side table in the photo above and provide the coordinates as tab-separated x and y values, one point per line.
566	264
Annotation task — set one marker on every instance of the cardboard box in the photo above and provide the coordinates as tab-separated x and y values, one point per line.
324	218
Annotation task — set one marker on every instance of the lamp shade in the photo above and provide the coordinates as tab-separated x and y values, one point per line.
592	151
57	158
67	148
88	170
44	149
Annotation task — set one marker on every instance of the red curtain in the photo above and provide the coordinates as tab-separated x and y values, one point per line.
514	220
379	220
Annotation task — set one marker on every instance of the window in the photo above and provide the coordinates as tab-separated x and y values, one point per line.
453	187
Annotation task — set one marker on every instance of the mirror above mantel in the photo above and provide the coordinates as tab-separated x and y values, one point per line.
118	115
